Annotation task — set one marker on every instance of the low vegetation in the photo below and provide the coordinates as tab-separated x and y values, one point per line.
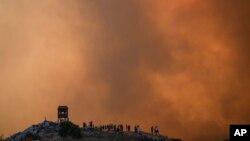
30	137
69	129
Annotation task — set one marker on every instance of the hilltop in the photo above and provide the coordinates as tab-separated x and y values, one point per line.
53	131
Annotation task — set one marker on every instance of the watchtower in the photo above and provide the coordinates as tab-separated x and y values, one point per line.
62	114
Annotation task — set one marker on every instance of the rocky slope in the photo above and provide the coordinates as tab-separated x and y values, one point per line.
49	131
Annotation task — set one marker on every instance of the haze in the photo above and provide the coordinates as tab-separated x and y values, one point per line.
180	64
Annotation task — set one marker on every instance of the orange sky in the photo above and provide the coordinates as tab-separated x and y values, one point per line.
179	64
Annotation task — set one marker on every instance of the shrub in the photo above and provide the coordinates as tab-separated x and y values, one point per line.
70	129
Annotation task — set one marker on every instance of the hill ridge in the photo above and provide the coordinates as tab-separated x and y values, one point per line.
49	131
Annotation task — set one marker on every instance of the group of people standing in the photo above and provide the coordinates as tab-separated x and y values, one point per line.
120	128
138	129
155	130
128	128
114	127
90	125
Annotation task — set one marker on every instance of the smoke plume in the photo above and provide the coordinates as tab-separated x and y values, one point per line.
182	65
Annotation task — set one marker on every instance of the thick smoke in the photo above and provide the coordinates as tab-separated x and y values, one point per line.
182	65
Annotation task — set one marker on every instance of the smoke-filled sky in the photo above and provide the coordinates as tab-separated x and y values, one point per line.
180	64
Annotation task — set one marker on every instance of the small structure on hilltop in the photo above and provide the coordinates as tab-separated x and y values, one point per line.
63	114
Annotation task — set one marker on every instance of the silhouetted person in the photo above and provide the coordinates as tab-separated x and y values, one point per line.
128	128
138	129
152	130
84	125
121	128
157	130
91	124
135	129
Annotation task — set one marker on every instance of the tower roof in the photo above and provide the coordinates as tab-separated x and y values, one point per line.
62	107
